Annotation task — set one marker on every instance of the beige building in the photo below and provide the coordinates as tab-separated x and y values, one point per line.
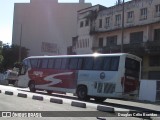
46	27
141	32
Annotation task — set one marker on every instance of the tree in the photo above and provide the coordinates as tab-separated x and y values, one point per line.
1	57
10	55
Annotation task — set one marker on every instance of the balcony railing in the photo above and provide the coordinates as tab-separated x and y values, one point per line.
150	47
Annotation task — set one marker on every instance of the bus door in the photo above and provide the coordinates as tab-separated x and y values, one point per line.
131	79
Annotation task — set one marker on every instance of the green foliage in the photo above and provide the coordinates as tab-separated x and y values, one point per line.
10	55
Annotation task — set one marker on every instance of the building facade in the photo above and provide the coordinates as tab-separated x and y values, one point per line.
137	31
46	27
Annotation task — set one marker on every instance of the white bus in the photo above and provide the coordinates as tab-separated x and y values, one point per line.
95	76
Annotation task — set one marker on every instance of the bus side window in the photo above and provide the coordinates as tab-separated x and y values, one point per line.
106	63
114	64
51	63
34	63
58	63
73	63
43	63
80	62
65	62
88	63
98	62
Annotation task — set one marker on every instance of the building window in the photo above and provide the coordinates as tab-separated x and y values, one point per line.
157	34
107	21
154	75
157	10
87	23
100	42
81	24
77	44
118	19
80	43
130	16
112	40
143	14
154	60
100	23
84	43
136	37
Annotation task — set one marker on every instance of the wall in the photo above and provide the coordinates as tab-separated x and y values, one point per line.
46	26
149	90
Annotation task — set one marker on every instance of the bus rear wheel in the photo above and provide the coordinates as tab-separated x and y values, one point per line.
99	99
32	87
82	93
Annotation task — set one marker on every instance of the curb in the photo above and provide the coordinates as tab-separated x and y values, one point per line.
105	109
58	101
22	95
37	97
8	93
78	104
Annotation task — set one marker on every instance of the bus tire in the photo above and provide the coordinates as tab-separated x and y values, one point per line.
82	93
99	99
32	86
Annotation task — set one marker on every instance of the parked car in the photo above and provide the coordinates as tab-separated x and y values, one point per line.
11	76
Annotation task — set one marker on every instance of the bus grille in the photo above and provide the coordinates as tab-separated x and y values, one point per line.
106	88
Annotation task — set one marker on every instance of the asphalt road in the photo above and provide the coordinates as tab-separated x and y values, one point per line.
14	103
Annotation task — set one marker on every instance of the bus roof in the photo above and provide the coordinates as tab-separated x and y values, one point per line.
82	55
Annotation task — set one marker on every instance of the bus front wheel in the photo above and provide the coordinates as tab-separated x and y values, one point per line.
32	87
82	93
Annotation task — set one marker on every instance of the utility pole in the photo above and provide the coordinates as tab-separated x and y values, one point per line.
122	28
20	42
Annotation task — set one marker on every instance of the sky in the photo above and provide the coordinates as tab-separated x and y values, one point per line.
6	14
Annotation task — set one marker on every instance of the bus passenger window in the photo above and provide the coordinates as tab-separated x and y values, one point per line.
98	62
43	63
73	63
107	63
34	63
79	65
114	64
57	63
88	63
50	63
65	63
